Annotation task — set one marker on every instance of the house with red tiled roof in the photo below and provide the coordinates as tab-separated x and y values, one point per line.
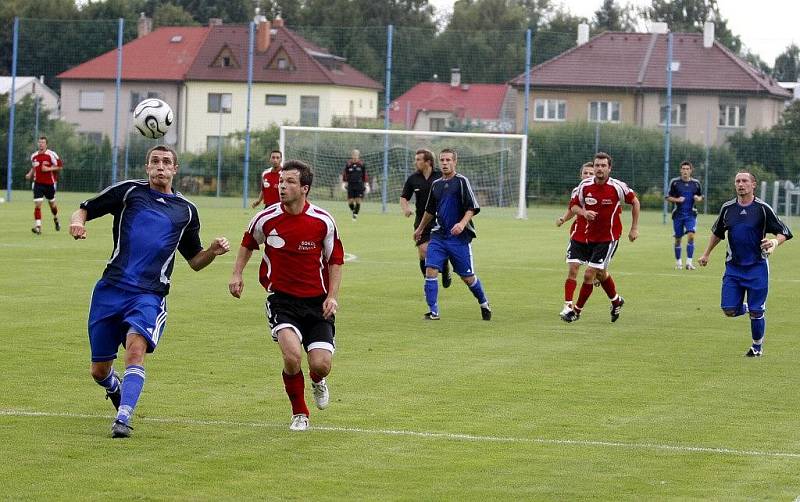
441	106
621	78
202	73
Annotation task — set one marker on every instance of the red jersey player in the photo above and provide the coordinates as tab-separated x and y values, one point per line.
45	165
301	271
269	181
577	237
599	200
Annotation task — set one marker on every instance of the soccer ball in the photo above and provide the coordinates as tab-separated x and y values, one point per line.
153	118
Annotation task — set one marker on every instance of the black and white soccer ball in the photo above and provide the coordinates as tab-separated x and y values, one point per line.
153	118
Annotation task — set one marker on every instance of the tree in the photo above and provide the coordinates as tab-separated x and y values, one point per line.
169	14
787	65
690	16
612	17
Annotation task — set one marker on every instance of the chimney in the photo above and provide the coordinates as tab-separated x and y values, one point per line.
583	33
455	77
214	21
143	26
263	36
277	22
659	28
708	34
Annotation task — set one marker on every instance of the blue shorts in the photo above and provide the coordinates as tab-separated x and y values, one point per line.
683	225
115	312
752	280
457	251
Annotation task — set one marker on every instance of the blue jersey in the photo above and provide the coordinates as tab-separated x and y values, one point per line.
448	201
746	226
149	226
687	190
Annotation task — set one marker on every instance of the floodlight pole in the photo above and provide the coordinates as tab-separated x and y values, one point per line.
246	173
667	127
388	100
115	149
12	107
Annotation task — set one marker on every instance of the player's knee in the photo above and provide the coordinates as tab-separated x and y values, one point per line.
291	363
729	312
469	280
755	314
431	272
99	371
320	366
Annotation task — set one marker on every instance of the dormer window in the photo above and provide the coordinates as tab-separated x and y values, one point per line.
283	64
281	61
225	59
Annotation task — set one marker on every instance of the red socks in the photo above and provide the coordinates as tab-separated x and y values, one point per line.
314	377
569	289
295	389
609	287
583	296
37	213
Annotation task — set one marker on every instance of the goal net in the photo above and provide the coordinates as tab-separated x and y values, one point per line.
492	162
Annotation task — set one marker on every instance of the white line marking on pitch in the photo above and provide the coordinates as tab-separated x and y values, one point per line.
350	257
431	435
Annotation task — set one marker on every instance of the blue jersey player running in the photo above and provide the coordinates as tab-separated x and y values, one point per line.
128	307
684	191
747	220
453	204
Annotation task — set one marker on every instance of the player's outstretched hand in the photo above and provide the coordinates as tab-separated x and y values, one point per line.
329	307
77	231
220	246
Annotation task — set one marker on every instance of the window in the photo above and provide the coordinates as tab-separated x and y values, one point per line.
219	103
95	138
137	97
437	124
283	64
678	114
212	142
550	109
604	111
226	62
276	99
91	100
309	111
732	115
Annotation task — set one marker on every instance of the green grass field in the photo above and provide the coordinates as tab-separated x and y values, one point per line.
660	405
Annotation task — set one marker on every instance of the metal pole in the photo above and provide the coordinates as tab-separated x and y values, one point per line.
12	107
708	148
36	115
522	211
667	126
388	100
597	136
247	125
219	146
115	142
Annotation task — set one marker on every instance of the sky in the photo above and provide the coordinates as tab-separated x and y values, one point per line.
766	27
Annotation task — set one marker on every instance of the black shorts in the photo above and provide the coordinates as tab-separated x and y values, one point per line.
595	254
43	191
356	192
304	316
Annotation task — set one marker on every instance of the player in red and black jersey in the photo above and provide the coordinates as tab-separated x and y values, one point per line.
45	165
355	181
270	179
577	237
599	200
301	270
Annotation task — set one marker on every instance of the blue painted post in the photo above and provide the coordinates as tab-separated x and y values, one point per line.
246	173
388	100
527	80
115	142
667	127
12	107
36	115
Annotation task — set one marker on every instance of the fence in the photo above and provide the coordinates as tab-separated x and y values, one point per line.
358	77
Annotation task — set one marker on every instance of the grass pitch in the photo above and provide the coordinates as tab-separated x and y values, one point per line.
660	405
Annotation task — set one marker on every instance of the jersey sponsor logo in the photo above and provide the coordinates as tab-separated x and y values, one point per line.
590	201
274	240
266	184
607	202
307	246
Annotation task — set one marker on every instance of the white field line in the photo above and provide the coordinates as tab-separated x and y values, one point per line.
446	436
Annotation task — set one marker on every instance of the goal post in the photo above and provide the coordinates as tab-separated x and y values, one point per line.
494	163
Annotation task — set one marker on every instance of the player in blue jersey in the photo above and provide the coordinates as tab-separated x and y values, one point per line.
747	220
684	191
128	306
453	204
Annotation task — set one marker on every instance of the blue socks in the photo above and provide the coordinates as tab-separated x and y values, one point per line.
678	252
757	327
477	291
432	294
689	250
132	385
109	383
